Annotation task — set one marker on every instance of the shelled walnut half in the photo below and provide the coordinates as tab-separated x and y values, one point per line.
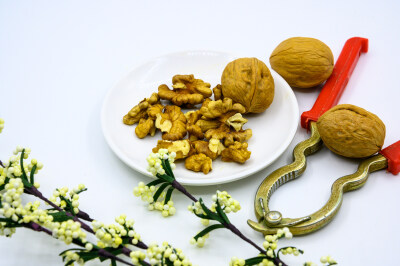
199	162
182	148
236	153
187	91
222	121
172	123
145	113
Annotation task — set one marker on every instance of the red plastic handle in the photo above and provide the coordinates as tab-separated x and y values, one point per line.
392	154
334	86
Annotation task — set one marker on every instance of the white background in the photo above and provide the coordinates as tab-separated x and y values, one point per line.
59	59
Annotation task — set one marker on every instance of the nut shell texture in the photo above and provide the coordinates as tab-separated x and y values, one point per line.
248	81
351	131
302	62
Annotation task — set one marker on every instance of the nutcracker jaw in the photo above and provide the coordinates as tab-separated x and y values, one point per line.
269	222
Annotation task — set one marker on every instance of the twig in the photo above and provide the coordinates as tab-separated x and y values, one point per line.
231	227
102	253
35	192
182	189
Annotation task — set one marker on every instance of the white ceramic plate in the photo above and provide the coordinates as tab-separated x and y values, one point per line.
273	130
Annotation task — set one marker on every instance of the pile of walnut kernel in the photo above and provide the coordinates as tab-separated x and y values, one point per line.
213	130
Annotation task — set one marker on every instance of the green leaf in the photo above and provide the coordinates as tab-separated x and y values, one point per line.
221	213
167	167
201	215
168	263
208	229
159	191
255	260
113	262
69	263
71	249
70	208
21	162
113	251
155	182
26	182
5	220
82	190
86	256
14	225
60	216
32	174
5	183
294	248
24	177
210	215
125	239
168	195
165	177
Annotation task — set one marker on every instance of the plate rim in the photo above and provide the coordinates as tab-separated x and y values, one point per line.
247	173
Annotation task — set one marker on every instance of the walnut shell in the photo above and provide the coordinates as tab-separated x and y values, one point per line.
302	62
351	131
248	81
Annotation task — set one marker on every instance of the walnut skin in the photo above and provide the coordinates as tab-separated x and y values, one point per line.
302	62
187	91
351	131
236	153
199	162
248	81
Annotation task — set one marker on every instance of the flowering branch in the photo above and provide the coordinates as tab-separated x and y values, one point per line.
161	165
101	252
64	220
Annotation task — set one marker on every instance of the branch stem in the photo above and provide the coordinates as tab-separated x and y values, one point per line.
229	226
103	253
182	189
35	192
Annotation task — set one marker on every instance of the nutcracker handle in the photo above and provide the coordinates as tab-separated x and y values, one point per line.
392	155
334	86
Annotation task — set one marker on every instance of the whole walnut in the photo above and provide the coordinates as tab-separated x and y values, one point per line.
248	81
351	131
302	62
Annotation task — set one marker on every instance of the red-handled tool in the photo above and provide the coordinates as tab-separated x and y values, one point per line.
392	155
270	221
334	86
